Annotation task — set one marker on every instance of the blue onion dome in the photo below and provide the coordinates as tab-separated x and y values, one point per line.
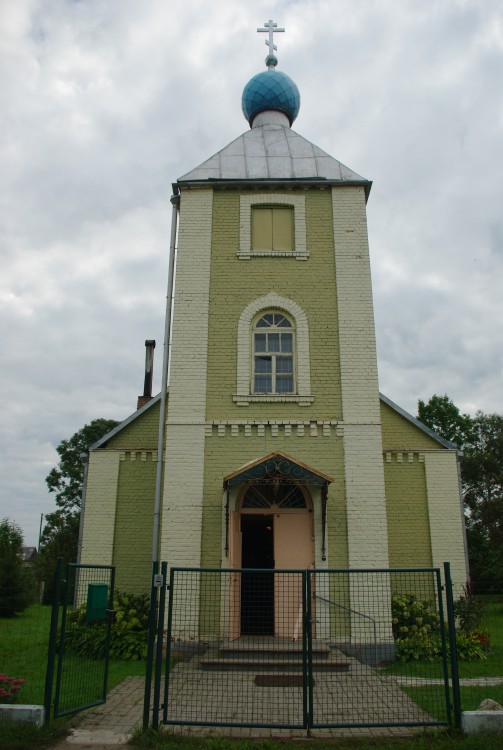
270	89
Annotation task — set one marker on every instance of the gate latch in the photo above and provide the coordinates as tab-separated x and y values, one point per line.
158	580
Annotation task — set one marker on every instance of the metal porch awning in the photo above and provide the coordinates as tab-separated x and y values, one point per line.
274	466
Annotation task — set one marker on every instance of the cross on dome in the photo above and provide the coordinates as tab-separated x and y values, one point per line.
271	27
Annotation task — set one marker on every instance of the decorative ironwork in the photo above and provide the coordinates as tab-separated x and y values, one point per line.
282	495
273	474
276	468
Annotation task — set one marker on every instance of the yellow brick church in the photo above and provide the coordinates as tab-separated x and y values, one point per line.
279	450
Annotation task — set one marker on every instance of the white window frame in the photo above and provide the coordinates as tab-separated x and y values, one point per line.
297	202
269	303
274	355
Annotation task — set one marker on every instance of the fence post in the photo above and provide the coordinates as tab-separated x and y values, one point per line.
456	697
158	651
307	638
53	639
152	628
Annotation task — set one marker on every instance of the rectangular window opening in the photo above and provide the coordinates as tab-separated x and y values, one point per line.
272	228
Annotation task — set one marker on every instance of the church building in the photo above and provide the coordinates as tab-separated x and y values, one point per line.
279	450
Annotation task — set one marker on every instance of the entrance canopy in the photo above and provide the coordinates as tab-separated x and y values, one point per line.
277	466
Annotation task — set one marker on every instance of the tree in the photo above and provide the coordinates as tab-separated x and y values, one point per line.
482	474
444	417
14	579
66	480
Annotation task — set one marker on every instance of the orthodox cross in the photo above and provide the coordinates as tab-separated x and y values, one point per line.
272	28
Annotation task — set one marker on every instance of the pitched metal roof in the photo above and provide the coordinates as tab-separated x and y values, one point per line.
431	433
101	443
272	151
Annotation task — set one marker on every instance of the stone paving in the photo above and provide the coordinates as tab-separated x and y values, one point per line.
360	696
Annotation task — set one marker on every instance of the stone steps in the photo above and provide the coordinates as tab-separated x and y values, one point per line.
272	655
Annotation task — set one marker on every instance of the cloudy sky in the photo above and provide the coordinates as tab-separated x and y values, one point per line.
104	103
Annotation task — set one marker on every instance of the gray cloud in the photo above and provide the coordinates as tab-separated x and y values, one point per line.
104	105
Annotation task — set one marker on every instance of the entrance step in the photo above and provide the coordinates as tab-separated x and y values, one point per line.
272	654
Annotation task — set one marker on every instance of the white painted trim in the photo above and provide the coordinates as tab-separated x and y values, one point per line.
298	202
273	301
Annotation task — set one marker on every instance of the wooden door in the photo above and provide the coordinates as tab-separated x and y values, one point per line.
235	556
293	549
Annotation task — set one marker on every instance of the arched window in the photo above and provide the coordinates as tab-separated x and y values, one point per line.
265	496
273	344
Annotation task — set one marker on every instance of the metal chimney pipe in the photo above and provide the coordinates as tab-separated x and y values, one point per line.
149	367
149	370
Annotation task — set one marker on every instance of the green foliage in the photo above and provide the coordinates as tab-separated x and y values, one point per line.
15	578
468	610
444	417
60	540
66	480
67	477
414	624
416	629
128	635
482	475
469	646
16	735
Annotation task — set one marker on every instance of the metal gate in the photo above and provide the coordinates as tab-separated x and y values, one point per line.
77	669
297	649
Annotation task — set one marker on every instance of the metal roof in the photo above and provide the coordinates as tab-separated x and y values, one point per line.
101	443
272	151
431	433
275	465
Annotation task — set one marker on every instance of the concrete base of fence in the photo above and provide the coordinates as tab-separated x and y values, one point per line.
373	654
23	713
473	722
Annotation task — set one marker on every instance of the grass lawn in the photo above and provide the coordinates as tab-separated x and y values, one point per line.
427	741
23	650
23	653
17	737
471	695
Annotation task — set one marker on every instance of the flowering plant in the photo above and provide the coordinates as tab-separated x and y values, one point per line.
9	687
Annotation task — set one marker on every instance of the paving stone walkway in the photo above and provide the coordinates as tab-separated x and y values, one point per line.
356	697
360	695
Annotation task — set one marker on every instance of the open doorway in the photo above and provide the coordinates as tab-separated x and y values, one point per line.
257	589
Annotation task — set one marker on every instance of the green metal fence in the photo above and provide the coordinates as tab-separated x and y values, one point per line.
300	649
79	640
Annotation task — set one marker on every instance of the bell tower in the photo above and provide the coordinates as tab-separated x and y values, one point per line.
273	343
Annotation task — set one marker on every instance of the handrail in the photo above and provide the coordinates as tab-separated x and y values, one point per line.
353	611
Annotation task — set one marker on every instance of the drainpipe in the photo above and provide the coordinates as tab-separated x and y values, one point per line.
175	202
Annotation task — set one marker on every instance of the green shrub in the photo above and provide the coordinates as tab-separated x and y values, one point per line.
415	624
128	633
469	610
418	647
469	647
416	629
